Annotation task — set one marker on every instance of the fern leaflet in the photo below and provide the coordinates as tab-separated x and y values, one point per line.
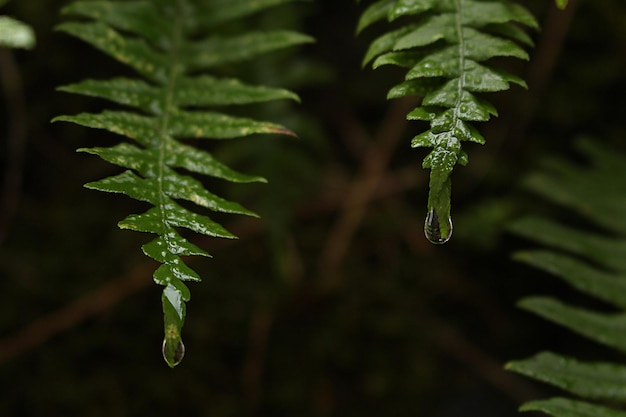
14	33
562	4
172	44
444	44
591	262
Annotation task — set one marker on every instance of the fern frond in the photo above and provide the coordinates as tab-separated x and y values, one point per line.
443	45
562	4
592	263
171	45
14	33
566	407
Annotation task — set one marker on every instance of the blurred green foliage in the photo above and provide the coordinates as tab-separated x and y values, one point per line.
405	329
590	260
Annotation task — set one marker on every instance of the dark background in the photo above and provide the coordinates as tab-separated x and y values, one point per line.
333	304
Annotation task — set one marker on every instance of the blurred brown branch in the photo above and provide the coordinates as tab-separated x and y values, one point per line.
358	195
107	296
67	317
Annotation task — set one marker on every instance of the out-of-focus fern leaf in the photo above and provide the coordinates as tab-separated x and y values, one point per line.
609	379
607	286
562	4
171	44
597	192
444	44
592	263
15	34
605	250
565	407
606	328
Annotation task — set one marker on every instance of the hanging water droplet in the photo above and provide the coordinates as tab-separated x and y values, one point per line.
179	353
433	230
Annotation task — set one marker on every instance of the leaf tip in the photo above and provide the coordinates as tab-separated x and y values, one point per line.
280	130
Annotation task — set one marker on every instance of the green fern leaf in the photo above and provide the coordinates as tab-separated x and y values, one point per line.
605	328
443	46
609	379
15	34
591	262
565	407
562	4
219	50
374	13
597	192
215	12
171	45
608	251
607	286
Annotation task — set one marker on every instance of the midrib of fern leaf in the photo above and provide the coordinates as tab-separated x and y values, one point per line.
443	46
174	82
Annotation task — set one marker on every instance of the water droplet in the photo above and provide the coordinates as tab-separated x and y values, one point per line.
179	354
432	229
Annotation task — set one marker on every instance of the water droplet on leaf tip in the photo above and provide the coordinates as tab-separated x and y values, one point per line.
179	353
433	230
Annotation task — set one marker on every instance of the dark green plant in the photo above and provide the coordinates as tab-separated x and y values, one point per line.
173	46
592	261
444	45
397	336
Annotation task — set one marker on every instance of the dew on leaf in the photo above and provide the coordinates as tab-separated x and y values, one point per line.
433	230
178	354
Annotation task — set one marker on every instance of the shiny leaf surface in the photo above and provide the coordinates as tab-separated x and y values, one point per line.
447	41
172	100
